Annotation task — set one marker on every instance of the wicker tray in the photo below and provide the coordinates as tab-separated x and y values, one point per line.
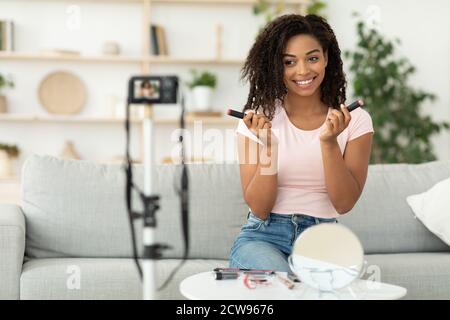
62	92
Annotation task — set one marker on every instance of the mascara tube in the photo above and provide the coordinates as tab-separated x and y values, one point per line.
226	275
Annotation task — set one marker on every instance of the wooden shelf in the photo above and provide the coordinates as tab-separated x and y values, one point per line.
49	118
175	60
105	120
205	120
115	59
76	58
11	179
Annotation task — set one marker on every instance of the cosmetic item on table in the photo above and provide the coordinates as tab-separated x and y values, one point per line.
288	283
291	276
225	275
249	271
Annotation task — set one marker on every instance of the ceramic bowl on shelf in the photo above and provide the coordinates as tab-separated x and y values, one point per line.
111	48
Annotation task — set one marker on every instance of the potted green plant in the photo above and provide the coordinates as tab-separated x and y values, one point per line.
4	83
273	9
7	154
382	79
202	85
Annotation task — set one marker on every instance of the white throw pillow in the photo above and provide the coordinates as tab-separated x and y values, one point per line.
433	209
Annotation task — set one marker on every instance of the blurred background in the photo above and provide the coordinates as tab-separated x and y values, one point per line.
65	65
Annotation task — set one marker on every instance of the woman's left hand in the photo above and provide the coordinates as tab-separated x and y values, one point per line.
336	122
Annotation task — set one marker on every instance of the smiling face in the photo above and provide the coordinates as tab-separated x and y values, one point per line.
304	65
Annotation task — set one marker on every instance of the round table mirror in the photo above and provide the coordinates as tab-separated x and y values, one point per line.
327	257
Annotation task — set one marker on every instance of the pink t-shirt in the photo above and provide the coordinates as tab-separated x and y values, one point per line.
301	179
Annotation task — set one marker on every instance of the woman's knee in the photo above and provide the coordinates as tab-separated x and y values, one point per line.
259	255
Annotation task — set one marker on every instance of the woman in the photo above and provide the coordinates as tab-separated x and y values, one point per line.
147	89
310	164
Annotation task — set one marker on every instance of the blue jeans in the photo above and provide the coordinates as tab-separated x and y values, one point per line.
266	244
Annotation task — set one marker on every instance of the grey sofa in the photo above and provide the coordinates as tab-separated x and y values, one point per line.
72	223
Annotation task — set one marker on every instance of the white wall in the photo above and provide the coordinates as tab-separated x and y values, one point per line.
422	26
423	29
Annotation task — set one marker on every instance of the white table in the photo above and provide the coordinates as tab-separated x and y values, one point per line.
203	286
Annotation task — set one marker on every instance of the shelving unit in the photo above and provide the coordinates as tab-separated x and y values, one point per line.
142	60
145	60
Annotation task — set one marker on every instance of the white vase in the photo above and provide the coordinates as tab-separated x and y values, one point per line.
110	102
69	151
202	98
6	165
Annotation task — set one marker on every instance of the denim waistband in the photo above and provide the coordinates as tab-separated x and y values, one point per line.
295	217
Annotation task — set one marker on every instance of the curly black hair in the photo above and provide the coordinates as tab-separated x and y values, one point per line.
264	67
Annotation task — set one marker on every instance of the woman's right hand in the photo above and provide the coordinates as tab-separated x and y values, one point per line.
260	126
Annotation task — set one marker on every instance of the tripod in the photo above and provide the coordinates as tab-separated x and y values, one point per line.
153	251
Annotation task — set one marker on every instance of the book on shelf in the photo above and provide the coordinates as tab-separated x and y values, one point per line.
158	40
6	35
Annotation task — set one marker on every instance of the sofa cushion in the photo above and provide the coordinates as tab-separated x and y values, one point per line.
424	275
49	279
432	208
383	220
77	209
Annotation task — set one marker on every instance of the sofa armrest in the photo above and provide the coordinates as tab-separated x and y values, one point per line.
12	248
